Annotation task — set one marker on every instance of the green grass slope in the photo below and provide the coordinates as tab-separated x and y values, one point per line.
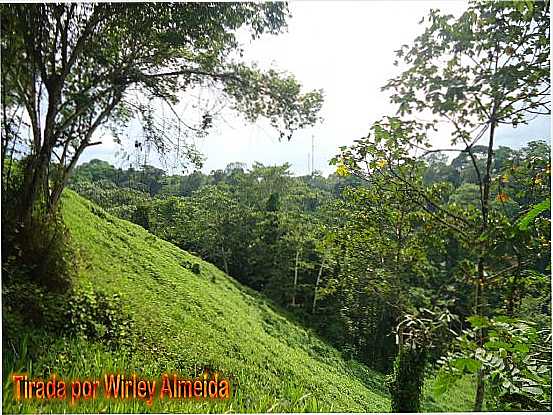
186	322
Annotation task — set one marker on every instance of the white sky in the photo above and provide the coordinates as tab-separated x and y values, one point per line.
346	48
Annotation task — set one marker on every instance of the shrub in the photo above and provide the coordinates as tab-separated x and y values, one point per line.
95	315
27	305
192	266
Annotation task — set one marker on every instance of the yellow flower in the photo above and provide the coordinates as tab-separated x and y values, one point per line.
381	163
342	170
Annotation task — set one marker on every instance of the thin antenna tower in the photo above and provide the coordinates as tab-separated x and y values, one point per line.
312	154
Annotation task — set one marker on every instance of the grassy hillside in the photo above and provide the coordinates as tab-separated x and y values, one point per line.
185	322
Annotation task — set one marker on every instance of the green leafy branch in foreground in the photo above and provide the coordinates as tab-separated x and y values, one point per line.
536	210
516	361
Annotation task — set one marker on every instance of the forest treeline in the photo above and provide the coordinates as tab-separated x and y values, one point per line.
349	257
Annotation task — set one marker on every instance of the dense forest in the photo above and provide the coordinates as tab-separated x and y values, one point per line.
411	267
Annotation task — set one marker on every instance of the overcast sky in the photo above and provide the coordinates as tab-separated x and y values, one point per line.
347	49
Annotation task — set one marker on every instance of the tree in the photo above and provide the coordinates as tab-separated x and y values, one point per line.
439	170
213	223
96	170
486	68
385	253
72	68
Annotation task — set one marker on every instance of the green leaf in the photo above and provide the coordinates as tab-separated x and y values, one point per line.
470	365
444	382
534	390
527	219
496	345
478	321
503	319
522	348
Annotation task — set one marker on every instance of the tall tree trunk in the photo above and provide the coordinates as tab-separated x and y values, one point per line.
479	310
36	172
317	285
33	180
479	305
479	399
225	263
296	266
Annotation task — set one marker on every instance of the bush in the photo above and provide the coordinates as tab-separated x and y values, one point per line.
95	315
38	265
192	266
27	305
